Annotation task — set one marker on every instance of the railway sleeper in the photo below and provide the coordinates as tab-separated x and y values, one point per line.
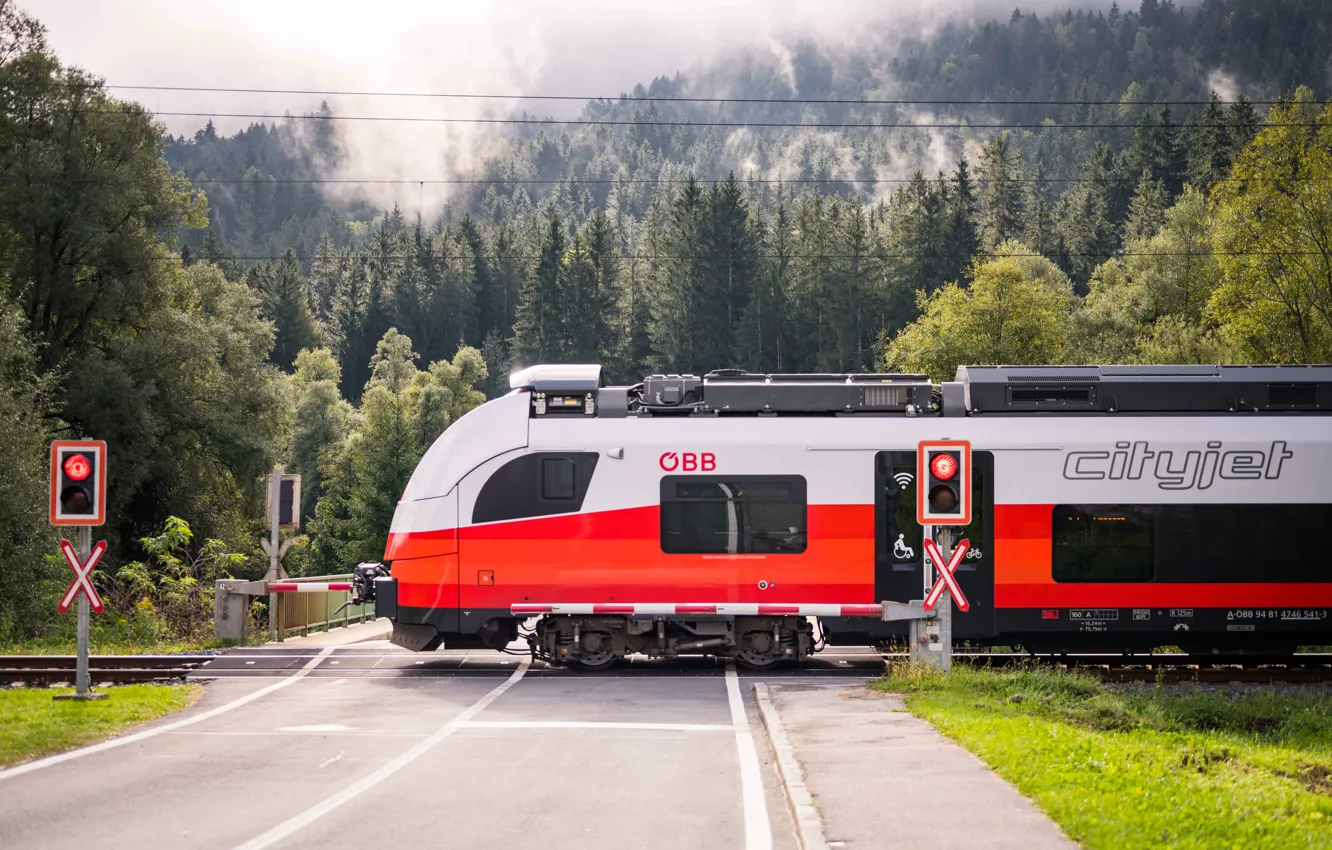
595	643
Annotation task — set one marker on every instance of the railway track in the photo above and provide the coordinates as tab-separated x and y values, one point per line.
118	669
1168	667
1111	667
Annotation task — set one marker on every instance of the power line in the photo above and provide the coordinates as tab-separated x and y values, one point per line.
638	180
869	255
626	99
581	122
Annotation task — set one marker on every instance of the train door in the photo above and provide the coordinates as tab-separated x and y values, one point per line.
898	558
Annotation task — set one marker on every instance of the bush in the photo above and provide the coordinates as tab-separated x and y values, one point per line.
174	588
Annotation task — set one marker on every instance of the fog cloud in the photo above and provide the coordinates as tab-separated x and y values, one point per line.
580	47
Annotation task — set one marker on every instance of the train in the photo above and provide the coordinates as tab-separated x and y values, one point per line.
761	517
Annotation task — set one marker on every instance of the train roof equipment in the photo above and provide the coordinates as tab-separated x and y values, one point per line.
1146	389
977	390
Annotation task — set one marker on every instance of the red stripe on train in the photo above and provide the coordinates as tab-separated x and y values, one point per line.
1177	595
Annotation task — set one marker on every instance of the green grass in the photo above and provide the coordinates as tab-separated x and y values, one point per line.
1139	767
32	724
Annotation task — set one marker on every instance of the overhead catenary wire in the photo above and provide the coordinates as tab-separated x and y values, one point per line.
371	254
591	122
649	98
612	181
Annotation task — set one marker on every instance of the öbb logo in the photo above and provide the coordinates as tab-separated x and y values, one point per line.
688	462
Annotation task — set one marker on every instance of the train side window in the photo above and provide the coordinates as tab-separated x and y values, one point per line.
1103	543
559	478
537	484
735	514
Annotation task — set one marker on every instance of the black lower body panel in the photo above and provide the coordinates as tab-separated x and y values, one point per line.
426	629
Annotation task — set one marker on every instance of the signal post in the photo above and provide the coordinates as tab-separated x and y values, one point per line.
943	479
78	498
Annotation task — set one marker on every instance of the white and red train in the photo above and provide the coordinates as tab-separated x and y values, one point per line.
1112	507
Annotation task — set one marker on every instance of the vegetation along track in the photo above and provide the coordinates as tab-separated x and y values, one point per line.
53	669
1257	668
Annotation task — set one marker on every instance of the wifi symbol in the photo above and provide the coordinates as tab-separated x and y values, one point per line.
903	479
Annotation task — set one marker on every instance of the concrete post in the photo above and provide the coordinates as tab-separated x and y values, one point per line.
932	639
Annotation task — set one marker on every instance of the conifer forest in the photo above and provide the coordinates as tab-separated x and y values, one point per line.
1145	181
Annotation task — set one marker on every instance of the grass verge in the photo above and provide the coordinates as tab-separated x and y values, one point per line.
32	724
1144	766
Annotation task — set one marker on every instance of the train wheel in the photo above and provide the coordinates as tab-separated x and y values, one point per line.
758	665
759	650
597	652
595	664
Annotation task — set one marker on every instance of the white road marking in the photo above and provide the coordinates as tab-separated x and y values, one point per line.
330	761
310	734
577	724
50	761
316	727
758	829
319	810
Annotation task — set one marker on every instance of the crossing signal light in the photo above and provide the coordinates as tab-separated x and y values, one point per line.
78	482
944	481
288	501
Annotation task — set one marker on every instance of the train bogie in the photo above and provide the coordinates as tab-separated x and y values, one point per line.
597	642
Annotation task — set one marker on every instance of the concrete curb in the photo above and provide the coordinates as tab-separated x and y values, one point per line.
809	826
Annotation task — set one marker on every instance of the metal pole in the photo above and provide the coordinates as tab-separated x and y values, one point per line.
81	679
274	562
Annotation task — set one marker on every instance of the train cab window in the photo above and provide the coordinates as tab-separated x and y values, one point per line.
1103	543
537	484
735	514
559	478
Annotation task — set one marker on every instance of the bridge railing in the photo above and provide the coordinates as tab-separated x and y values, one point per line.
307	609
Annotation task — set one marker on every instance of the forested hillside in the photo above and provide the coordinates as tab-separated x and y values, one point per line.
1104	185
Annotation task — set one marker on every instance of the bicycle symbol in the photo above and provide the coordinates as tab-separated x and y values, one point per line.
901	551
974	554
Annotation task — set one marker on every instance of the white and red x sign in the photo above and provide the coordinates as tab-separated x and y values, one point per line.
946	577
82	575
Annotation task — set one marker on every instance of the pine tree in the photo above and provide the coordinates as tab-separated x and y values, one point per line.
538	335
1242	123
728	266
962	239
589	296
760	342
674	329
1146	210
1209	145
1002	195
285	298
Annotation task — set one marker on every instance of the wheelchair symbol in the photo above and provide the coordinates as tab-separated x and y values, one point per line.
901	551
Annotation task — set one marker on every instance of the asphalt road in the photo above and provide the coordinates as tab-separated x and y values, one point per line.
368	745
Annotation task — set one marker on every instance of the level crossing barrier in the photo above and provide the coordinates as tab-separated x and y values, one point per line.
301	605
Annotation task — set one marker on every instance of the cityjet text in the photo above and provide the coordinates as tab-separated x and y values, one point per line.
1175	470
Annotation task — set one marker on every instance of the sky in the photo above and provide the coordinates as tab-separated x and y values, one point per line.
593	47
564	47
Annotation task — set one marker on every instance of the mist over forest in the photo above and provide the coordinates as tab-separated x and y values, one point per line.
218	282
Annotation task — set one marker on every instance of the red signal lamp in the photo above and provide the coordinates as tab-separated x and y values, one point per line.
77	467
943	466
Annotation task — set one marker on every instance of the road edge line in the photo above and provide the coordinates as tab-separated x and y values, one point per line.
758	825
289	826
51	761
809	825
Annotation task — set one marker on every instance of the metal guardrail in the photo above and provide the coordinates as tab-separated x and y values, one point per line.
302	613
299	606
